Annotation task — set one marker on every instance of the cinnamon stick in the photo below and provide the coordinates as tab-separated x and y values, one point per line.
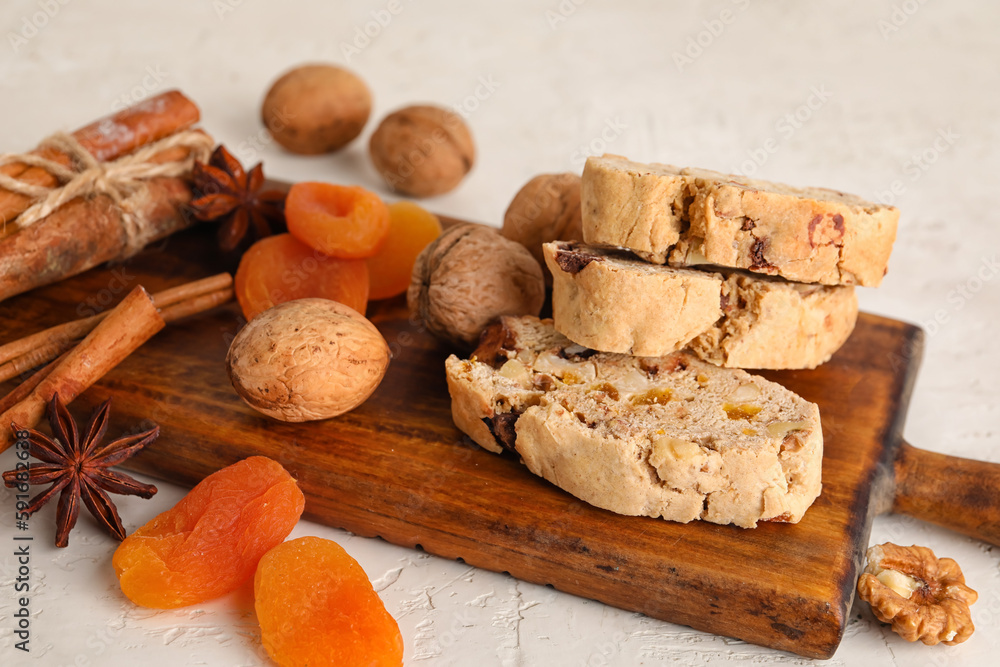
197	304
87	232
21	391
36	356
16	169
139	125
106	139
62	334
172	295
23	354
127	327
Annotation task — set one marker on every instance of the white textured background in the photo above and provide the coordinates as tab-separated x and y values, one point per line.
555	81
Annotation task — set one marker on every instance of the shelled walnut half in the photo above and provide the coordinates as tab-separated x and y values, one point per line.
922	596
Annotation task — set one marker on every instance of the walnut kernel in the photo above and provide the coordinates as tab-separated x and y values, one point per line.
422	150
781	429
922	596
470	276
516	371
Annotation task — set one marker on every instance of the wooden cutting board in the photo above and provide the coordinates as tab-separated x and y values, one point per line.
398	468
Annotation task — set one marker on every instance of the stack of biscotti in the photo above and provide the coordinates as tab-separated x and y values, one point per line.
633	398
748	274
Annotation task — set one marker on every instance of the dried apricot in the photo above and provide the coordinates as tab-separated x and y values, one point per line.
411	228
280	268
338	220
211	541
316	606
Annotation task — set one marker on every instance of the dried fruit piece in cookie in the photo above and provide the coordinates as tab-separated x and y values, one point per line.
316	606
211	541
922	596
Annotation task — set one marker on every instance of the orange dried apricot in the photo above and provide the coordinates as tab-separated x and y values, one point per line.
411	228
338	220
280	268
211	541
316	606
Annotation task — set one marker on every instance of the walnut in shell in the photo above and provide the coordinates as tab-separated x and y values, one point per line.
546	209
470	276
307	359
922	596
316	108
422	150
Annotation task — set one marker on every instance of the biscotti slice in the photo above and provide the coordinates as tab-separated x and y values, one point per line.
642	207
670	437
608	300
769	323
696	216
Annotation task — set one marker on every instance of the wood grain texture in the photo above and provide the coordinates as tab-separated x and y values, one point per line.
398	468
960	494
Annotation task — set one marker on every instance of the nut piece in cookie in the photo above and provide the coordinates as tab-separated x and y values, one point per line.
922	596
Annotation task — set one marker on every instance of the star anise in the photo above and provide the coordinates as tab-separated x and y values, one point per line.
228	194
80	470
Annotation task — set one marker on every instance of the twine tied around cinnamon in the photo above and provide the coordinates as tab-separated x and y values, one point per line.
122	180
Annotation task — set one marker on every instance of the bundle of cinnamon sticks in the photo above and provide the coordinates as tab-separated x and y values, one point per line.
90	230
99	194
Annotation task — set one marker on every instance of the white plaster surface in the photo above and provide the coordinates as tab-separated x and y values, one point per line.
889	81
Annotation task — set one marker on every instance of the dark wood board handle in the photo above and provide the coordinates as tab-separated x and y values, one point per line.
956	493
